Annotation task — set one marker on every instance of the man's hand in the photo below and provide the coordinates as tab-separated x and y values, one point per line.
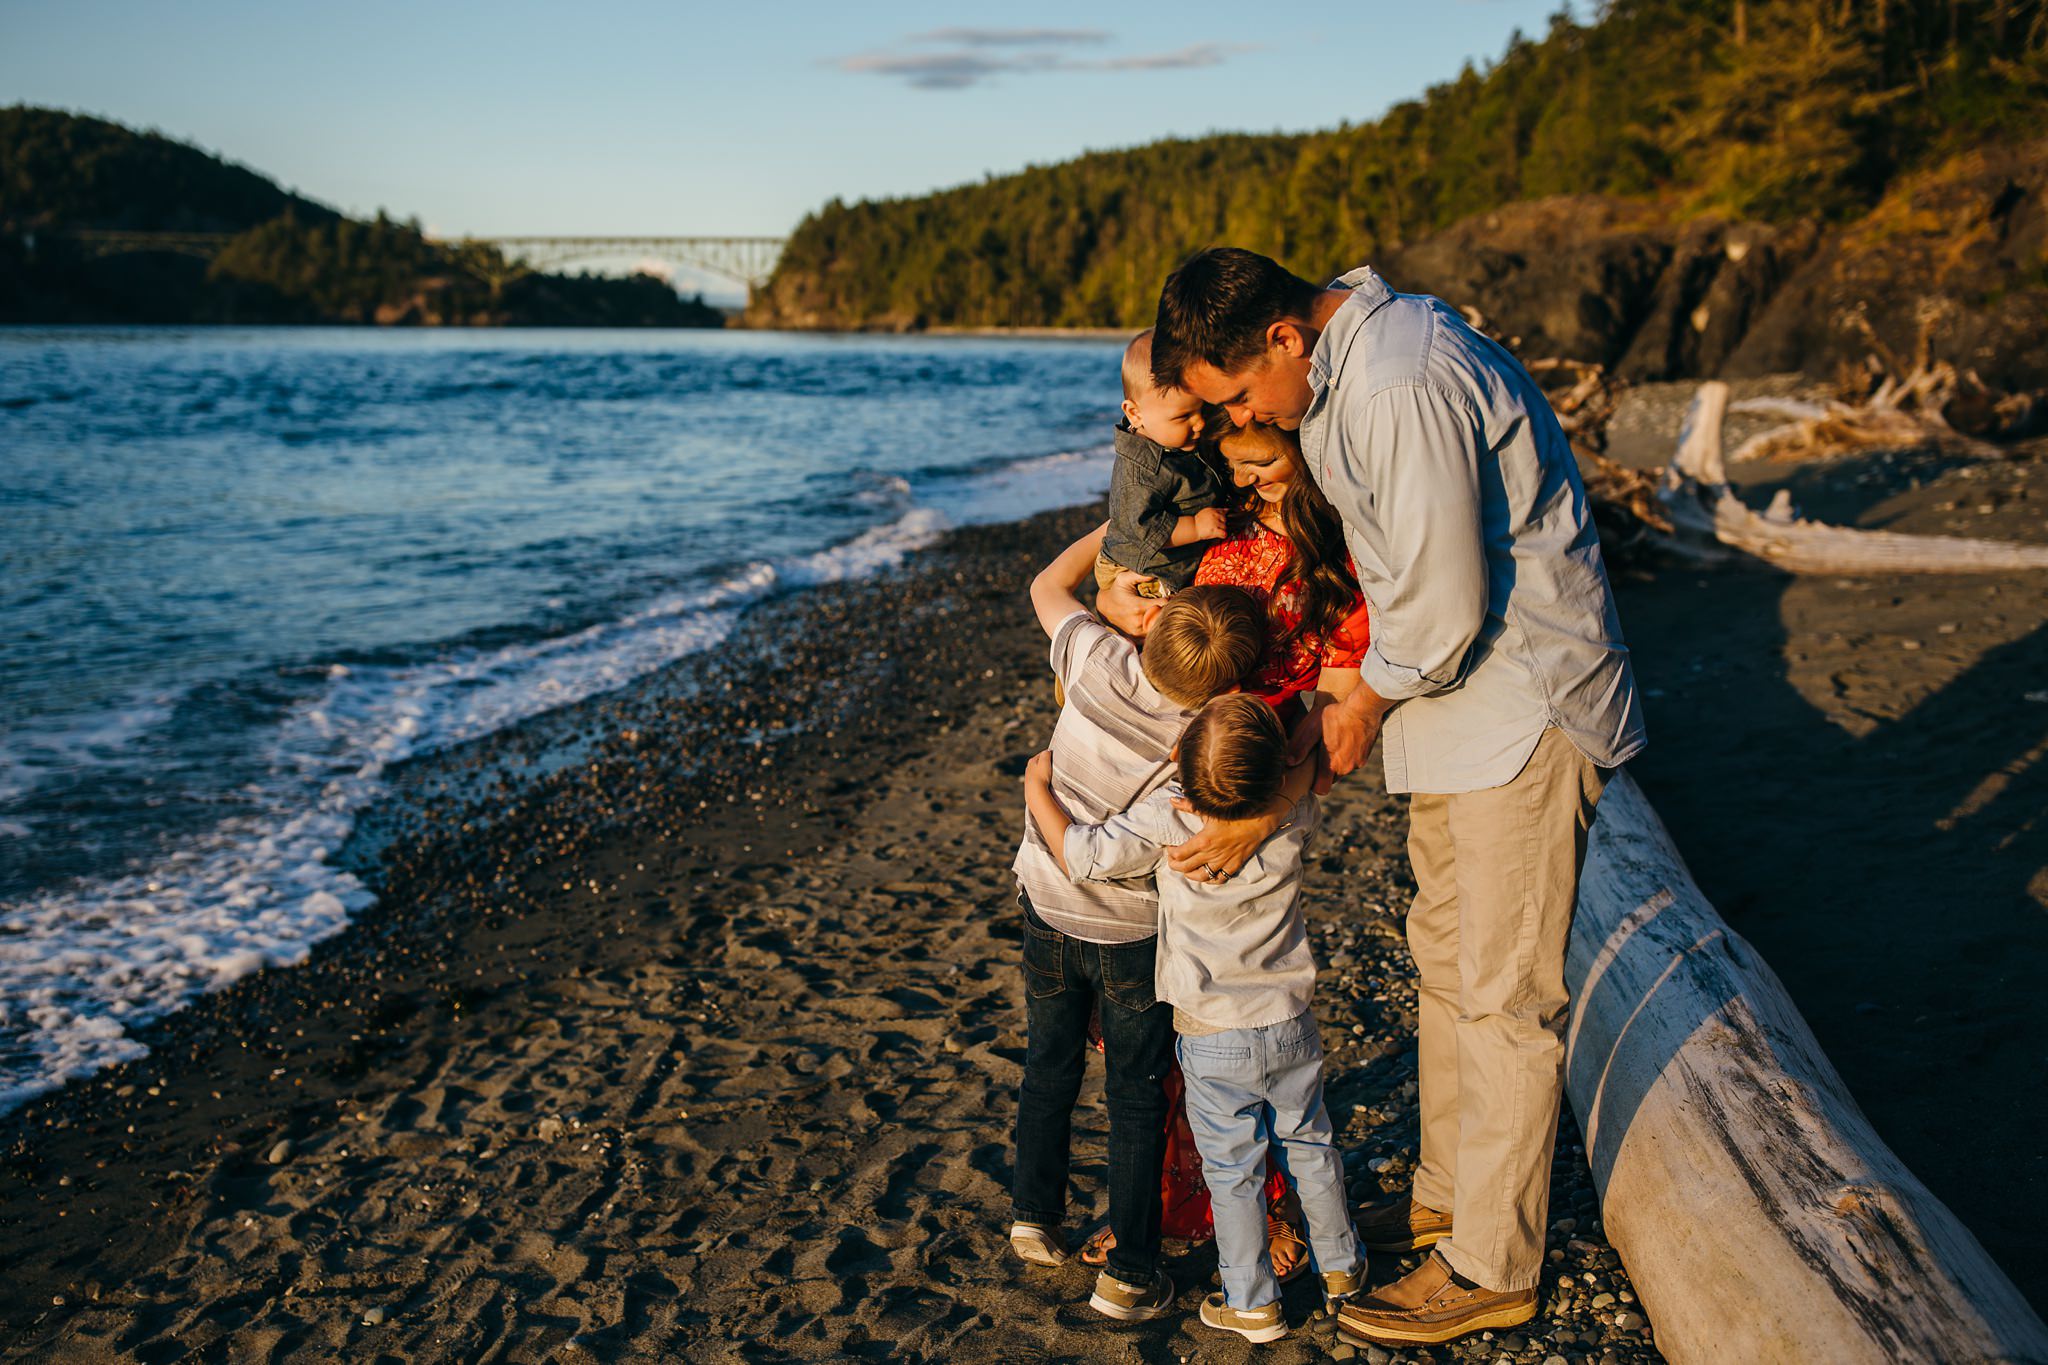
1348	736
1211	524
1222	847
1341	735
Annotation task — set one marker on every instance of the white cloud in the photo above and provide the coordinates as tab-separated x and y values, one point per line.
970	62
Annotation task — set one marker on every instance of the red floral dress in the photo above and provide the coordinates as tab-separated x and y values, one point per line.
1255	562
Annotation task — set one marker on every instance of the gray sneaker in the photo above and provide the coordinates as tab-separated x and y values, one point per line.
1253	1324
1038	1244
1132	1302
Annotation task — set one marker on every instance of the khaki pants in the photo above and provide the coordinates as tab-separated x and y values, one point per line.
1497	875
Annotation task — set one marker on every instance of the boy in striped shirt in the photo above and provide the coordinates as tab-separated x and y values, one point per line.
1089	947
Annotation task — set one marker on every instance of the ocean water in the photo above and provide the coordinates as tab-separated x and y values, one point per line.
249	570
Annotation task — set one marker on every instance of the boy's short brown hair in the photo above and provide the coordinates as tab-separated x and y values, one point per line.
1205	641
1233	757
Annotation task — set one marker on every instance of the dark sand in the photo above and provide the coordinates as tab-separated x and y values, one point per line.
688	1024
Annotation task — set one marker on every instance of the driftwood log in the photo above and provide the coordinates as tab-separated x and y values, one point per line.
1760	1216
1707	519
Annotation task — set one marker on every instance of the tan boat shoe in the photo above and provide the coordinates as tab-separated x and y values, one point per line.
1253	1324
1398	1223
1038	1244
1430	1305
1113	1298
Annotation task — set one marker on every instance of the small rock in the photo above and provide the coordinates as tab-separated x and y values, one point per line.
1378	1164
372	1317
1374	1355
1627	1321
1555	1360
1343	1350
1603	1300
1516	1343
280	1152
548	1129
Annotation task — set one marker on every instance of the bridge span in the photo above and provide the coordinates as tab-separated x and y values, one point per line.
743	260
747	261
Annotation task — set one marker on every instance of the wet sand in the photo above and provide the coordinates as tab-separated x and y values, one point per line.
688	1025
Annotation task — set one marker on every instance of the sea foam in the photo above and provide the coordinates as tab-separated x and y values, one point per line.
83	966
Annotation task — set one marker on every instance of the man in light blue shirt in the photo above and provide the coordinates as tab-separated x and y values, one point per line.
1499	684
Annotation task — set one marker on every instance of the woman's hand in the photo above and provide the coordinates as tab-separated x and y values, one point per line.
1039	769
1223	846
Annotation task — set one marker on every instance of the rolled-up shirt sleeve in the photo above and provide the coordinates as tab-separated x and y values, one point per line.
1425	447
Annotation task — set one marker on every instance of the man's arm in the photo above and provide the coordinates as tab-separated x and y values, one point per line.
1421	448
1054	593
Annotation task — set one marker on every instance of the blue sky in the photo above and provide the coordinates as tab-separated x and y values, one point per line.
627	116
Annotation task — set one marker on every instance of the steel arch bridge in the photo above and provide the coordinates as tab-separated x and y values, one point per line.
743	260
746	261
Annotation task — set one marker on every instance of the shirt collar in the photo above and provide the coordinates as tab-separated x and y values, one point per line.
1146	453
1369	293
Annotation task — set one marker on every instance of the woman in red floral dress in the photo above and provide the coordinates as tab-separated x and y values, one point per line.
1286	546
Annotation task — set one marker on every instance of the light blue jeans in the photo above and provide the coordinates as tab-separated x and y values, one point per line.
1251	1091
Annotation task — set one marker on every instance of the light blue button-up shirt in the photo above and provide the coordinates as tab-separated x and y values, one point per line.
1492	616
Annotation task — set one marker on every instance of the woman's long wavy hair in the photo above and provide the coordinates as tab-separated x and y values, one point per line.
1320	562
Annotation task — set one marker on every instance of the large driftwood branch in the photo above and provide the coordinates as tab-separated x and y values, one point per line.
1707	518
1760	1216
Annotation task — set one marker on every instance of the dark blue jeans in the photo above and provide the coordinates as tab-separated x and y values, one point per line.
1065	980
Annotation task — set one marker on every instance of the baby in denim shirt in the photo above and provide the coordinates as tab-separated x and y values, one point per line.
1165	497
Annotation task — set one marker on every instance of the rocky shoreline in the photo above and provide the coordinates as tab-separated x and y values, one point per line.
687	1024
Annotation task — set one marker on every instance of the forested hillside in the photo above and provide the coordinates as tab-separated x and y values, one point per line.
290	258
1780	114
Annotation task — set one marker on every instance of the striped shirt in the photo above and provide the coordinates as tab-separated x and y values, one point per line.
1109	751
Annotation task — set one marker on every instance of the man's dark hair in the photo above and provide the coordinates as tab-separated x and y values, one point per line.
1216	308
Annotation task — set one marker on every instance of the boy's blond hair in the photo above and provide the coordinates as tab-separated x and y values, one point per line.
1233	757
1137	372
1205	641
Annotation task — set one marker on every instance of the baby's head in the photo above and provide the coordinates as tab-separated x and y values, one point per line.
1203	641
1233	757
1172	417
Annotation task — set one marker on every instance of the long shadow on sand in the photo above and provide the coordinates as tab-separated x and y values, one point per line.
1895	881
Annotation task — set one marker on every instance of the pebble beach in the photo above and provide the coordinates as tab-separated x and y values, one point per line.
686	1024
